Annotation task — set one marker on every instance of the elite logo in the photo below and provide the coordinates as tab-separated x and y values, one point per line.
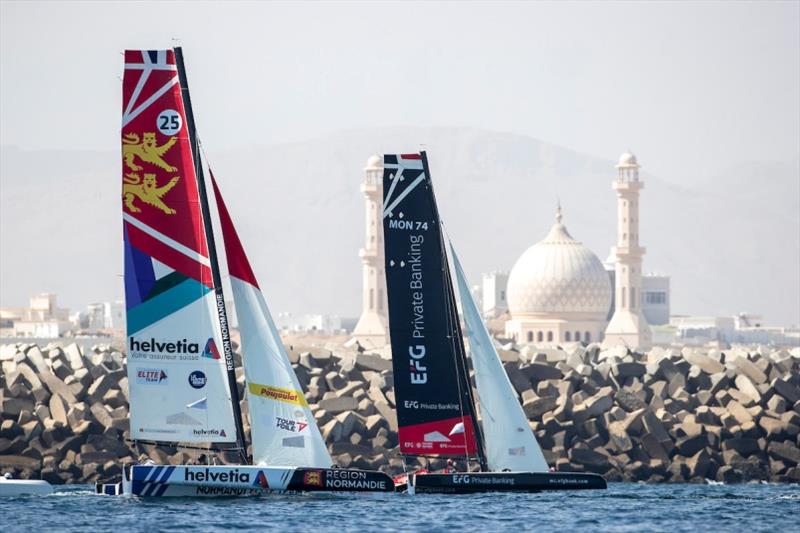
261	480
210	350
151	376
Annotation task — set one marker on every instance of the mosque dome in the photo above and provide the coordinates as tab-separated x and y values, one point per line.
627	160
374	162
559	277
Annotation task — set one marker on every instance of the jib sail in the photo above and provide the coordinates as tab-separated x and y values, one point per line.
177	376
435	411
283	429
510	443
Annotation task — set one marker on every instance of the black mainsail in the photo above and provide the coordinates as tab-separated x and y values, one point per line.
435	408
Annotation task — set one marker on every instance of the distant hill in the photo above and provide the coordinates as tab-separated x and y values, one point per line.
730	242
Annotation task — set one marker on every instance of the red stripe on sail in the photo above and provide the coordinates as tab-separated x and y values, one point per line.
169	256
238	265
439	438
410	156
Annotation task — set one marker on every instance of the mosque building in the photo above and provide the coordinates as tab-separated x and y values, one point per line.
558	291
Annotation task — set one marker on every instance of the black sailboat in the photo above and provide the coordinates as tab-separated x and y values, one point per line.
435	405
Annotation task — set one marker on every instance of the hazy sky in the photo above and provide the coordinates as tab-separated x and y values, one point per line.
694	88
690	87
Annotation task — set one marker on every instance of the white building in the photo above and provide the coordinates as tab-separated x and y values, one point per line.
558	291
371	329
42	319
655	297
740	329
314	324
494	301
628	325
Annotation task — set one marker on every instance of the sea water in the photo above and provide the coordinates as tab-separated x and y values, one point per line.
623	507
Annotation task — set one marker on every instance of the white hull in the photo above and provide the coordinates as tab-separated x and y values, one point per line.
162	481
22	487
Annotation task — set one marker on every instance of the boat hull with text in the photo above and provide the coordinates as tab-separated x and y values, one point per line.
472	482
160	481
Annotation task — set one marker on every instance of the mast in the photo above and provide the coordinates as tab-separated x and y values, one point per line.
455	332
212	256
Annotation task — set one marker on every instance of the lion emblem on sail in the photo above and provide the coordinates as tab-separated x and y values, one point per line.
146	150
146	190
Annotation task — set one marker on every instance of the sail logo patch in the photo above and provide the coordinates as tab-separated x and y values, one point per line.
278	394
209	433
202	403
151	376
216	475
145	187
261	480
313	478
197	379
154	346
210	350
290	425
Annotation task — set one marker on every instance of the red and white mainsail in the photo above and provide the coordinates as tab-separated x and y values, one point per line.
178	383
283	429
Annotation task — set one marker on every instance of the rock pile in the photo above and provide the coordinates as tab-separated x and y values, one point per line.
665	415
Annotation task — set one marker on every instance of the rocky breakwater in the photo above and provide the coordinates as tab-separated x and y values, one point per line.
665	415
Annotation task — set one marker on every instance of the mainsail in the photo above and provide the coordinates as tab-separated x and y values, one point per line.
179	388
435	411
283	429
510	443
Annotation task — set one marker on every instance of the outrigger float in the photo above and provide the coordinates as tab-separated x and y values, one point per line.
182	386
435	406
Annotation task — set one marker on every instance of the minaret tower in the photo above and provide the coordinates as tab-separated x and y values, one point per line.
371	328
628	326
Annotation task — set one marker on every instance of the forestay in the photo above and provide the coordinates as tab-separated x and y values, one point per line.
509	441
283	429
178	383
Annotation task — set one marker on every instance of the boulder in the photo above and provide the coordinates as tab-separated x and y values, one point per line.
785	451
786	389
618	437
372	362
540	371
629	401
698	464
338	405
744	366
535	407
627	370
707	364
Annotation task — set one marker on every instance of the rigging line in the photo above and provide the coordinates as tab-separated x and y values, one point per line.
451	331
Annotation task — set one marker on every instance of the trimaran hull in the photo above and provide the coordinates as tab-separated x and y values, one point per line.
168	481
472	482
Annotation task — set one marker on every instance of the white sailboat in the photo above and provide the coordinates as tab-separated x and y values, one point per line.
182	386
436	409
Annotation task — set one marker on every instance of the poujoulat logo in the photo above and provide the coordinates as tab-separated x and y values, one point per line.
152	345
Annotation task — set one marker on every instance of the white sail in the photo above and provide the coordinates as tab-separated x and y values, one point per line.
282	427
510	443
